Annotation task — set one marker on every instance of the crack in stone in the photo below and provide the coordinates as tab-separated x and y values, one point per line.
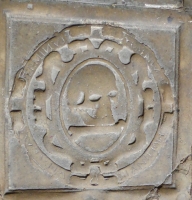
153	193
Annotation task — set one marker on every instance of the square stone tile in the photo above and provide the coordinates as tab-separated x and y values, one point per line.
90	104
96	100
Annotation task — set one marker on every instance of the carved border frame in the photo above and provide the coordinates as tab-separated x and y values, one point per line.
11	17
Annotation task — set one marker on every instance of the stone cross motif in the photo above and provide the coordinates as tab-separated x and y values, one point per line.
97	105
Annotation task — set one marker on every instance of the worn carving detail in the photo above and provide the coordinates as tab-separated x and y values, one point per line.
125	55
135	77
66	53
54	74
48	108
104	111
56	142
81	98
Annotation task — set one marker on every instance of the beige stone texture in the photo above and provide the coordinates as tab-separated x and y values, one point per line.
96	100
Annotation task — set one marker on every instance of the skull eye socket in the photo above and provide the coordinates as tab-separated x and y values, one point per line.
112	93
95	97
81	98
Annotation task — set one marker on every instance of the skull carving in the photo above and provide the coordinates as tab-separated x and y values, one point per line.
92	106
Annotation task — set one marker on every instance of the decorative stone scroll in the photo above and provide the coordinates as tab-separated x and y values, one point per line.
94	102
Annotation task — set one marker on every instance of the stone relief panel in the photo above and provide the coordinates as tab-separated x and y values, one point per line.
92	106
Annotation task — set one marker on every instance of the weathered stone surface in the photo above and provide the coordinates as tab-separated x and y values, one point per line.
95	105
122	3
87	101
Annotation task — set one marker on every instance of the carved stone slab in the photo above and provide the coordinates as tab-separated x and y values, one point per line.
90	104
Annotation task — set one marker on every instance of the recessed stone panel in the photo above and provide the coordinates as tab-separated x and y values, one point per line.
90	104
